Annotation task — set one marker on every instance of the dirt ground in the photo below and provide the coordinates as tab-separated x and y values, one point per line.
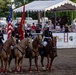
64	64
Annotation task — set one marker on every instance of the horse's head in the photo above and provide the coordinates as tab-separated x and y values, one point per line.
12	41
39	40
29	43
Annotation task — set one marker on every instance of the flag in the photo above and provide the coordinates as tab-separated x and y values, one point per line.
21	32
9	20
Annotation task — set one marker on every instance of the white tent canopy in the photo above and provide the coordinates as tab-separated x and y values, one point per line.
53	5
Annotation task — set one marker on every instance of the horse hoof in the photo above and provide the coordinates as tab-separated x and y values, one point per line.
1	71
47	69
15	72
21	72
30	71
10	70
55	55
43	68
5	70
38	71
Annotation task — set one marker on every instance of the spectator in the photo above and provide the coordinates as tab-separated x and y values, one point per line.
74	25
63	29
38	28
70	29
33	28
58	29
66	29
51	26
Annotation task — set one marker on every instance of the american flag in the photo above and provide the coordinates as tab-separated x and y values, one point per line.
9	20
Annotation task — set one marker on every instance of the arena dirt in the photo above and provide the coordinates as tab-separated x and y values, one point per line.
64	64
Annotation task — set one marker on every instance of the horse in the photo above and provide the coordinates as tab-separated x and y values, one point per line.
6	52
34	53
49	51
19	52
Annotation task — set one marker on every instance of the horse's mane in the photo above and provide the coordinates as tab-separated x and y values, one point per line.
8	42
49	45
24	42
34	43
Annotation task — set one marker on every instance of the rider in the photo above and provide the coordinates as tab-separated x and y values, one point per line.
1	38
16	34
47	33
28	33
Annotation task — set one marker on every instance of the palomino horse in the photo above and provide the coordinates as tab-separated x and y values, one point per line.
48	51
34	53
5	53
19	52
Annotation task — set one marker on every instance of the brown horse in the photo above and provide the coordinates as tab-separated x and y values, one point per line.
19	51
34	53
48	51
5	53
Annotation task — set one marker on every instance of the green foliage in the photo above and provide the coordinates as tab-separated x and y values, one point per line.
4	8
19	3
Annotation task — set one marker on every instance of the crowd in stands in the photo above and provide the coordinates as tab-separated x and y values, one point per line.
40	27
30	30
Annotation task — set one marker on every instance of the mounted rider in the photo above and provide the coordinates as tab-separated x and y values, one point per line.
15	34
47	34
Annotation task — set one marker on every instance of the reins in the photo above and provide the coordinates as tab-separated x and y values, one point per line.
5	49
19	50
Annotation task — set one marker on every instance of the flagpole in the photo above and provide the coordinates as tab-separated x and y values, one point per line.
24	4
24	1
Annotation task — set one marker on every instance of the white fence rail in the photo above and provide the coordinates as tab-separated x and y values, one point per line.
64	40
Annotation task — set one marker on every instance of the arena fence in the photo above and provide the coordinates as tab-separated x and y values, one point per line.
64	40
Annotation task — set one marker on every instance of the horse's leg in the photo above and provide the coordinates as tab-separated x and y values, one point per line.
30	62
21	62
42	59
36	63
52	58
9	62
16	64
5	63
1	69
48	57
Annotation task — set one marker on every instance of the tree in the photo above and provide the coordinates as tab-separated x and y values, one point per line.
74	1
19	3
4	8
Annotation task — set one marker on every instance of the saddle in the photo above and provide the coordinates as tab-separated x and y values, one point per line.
42	50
